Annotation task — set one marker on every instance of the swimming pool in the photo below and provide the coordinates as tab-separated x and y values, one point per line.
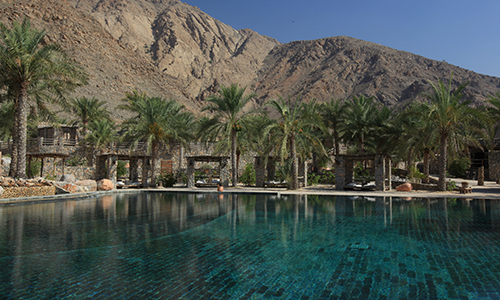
212	246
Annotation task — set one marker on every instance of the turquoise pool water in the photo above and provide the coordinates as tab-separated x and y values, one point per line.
197	246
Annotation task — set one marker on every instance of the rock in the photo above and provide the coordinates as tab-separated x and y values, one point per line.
1	191
6	161
70	187
105	185
87	185
68	178
405	187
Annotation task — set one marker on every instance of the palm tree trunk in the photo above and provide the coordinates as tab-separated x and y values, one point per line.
295	165
337	144
154	155
22	117
15	139
233	158
409	160
442	162
427	156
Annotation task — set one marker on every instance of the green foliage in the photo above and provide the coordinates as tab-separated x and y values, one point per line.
313	179
35	167
121	170
248	176
451	185
327	178
167	179
415	174
76	160
459	166
51	176
359	171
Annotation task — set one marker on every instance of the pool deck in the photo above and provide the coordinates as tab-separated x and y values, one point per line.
490	190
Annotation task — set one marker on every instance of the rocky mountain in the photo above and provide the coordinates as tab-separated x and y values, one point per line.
340	67
170	49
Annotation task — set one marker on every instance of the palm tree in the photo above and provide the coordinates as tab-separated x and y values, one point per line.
88	110
295	124
332	114
157	121
27	64
359	120
450	116
229	109
101	133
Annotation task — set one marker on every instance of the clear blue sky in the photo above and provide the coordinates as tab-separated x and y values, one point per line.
465	33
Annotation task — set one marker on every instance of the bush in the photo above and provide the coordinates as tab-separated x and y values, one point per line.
76	160
248	176
120	168
459	166
313	179
167	179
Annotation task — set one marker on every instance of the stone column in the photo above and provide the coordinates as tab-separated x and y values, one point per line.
480	176
190	172
224	172
134	169
145	172
271	169
494	165
388	171
340	172
379	164
113	163
260	172
100	167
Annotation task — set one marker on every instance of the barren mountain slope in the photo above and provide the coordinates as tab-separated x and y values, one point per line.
170	49
340	67
113	68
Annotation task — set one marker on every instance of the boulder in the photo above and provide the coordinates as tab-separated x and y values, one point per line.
87	185
405	187
70	187
68	178
105	185
1	191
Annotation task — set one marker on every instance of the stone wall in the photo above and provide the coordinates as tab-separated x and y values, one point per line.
16	192
494	165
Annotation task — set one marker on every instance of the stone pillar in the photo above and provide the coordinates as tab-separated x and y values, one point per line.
224	172
388	171
480	176
304	172
145	172
340	172
271	169
379	164
112	163
190	172
100	167
349	170
134	169
494	165
260	172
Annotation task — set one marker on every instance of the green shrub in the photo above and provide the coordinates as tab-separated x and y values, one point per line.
76	160
167	179
313	179
120	168
248	176
451	185
459	166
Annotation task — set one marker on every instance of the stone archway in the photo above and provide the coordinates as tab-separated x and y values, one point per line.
223	168
344	169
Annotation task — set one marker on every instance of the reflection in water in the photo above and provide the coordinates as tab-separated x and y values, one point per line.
152	242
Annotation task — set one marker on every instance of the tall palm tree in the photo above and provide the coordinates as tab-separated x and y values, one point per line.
157	121
87	110
450	116
359	120
25	64
332	114
101	133
229	109
294	124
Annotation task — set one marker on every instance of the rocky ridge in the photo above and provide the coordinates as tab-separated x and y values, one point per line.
170	49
